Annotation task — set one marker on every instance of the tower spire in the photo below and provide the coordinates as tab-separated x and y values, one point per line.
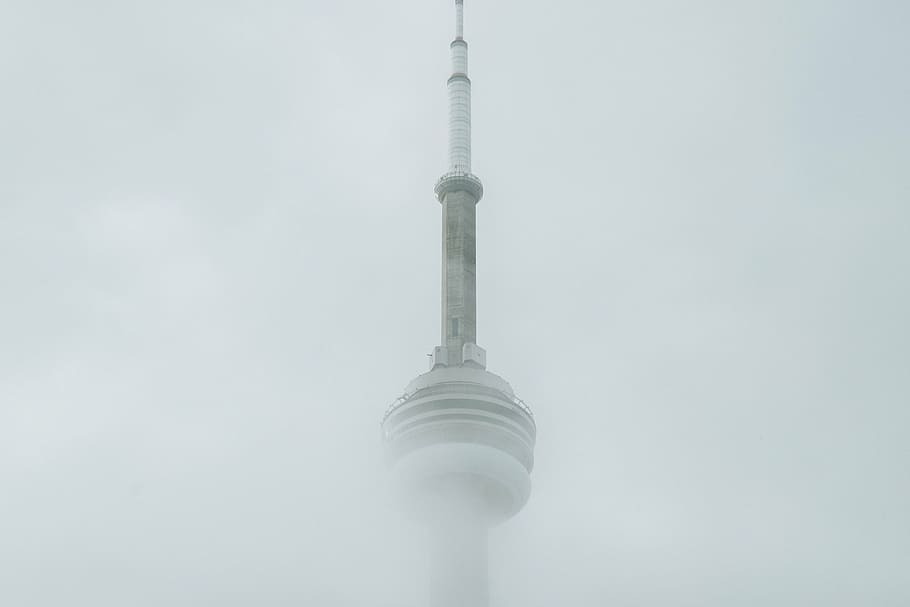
459	19
459	99
459	190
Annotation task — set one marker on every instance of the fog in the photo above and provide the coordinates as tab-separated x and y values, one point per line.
219	251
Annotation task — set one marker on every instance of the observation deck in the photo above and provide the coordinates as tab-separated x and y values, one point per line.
459	181
462	425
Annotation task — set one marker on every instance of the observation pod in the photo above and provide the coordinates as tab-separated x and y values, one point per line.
461	443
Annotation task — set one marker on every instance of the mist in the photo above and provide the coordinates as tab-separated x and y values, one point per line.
220	256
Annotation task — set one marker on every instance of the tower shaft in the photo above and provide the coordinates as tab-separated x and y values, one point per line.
459	275
458	563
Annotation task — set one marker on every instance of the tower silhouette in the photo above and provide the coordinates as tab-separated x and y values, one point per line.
460	443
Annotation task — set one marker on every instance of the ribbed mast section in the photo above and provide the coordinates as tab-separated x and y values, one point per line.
459	99
459	190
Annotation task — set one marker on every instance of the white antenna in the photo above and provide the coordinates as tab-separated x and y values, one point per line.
459	19
459	99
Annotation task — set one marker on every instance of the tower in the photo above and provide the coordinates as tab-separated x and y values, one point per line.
460	443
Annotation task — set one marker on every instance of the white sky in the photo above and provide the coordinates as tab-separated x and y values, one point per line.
219	253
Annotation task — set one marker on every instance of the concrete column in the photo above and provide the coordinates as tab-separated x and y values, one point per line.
459	273
458	576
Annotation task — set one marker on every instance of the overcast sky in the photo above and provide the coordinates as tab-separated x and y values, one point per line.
219	252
